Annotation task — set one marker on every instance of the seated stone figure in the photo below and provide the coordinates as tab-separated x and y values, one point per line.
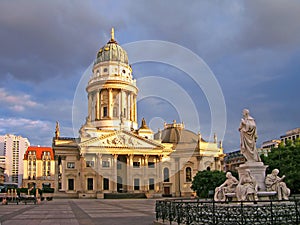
274	183
228	186
246	190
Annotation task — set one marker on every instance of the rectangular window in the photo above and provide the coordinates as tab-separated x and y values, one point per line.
151	164
105	184
71	165
105	163
71	184
136	164
136	184
151	184
90	184
119	165
89	163
105	111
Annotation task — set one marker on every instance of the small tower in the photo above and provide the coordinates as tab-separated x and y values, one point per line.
145	131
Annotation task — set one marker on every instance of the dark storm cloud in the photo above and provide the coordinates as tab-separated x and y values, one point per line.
253	48
203	26
42	39
271	24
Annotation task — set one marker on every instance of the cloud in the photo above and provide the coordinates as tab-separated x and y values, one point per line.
37	131
15	102
271	24
251	46
44	39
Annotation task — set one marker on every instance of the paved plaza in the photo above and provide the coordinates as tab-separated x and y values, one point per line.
80	211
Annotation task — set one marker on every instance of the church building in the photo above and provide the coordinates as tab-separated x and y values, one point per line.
113	154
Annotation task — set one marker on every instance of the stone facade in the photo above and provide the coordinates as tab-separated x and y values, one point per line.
39	167
113	155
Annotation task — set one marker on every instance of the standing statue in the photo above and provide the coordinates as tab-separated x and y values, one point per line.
248	137
228	186
246	190
274	183
57	132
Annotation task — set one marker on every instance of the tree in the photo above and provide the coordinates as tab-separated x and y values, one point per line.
204	181
286	158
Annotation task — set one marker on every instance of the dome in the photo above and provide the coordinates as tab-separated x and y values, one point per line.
175	135
112	51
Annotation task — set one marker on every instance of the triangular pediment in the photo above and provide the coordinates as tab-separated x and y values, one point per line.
121	139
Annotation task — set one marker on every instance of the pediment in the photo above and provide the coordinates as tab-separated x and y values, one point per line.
121	139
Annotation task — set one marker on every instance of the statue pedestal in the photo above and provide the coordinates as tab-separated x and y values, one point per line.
257	170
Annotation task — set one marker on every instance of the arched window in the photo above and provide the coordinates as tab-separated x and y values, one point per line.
208	168
188	174
166	175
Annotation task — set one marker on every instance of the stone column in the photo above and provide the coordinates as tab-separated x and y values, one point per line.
56	176
110	103
128	105
134	109
159	174
97	114
131	107
115	173
146	177
89	106
129	173
98	168
216	163
121	103
177	178
63	175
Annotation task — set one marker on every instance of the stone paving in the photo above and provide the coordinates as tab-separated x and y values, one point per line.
80	211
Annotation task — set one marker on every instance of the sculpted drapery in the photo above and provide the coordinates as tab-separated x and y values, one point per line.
228	186
246	190
248	135
275	183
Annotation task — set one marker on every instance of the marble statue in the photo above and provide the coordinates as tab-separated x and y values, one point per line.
246	190
248	136
228	186
274	183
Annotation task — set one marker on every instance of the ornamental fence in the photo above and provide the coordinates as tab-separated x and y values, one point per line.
191	212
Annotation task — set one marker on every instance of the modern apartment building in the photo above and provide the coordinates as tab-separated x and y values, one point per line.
13	148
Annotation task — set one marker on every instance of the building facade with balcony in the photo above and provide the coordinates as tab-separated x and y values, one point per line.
291	135
233	160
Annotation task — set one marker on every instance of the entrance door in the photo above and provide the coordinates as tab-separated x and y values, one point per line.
71	184
166	190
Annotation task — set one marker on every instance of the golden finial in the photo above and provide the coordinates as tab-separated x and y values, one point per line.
112	34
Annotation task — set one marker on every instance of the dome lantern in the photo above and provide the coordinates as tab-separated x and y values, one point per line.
112	51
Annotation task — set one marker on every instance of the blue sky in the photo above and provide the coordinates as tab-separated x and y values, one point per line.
252	48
